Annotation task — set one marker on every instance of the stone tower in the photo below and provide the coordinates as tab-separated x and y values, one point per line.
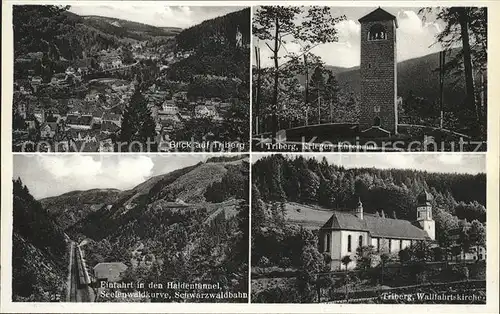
424	214
378	72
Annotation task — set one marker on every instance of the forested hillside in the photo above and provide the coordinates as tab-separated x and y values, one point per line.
214	48
302	180
60	33
189	225
39	255
69	208
292	197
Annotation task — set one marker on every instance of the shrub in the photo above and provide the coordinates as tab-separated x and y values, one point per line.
464	273
285	262
264	262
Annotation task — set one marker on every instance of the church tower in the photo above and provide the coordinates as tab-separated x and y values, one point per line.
359	209
378	71
424	214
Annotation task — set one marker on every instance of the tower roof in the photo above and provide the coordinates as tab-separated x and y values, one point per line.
424	198
379	15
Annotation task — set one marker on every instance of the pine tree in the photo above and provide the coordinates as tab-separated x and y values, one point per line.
316	94
138	125
332	98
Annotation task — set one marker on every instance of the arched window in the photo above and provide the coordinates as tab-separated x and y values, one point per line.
360	241
377	32
349	243
328	241
376	121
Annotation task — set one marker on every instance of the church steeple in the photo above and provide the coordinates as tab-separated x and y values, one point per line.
359	209
424	214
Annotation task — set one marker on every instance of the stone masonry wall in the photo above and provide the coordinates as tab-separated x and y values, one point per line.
378	78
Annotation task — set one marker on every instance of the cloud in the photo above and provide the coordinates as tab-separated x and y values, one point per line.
156	15
450	159
129	171
415	38
73	166
53	175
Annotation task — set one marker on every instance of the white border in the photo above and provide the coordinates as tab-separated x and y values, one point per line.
492	183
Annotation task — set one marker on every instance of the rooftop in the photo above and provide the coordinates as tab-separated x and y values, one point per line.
378	15
376	226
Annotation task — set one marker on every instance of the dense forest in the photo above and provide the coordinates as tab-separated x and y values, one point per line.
307	180
213	48
39	255
458	199
58	33
287	250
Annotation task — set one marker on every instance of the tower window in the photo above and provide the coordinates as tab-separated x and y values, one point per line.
328	240
376	121
377	32
349	243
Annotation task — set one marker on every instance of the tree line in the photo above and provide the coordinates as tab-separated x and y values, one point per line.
456	197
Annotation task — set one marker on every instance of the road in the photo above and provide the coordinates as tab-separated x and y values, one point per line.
77	294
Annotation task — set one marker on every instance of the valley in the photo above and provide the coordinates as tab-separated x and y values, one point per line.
168	228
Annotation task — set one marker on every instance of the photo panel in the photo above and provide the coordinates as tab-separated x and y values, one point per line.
130	228
369	228
131	77
368	79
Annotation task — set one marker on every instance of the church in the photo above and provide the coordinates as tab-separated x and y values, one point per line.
345	231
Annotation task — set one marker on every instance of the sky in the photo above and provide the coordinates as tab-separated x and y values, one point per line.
52	175
156	14
415	37
436	162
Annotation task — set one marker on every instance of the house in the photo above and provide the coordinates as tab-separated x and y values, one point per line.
116	62
205	111
474	253
36	81
70	71
52	120
345	231
112	117
106	146
109	271
83	70
97	115
79	122
39	114
58	79
30	123
47	131
181	96
169	108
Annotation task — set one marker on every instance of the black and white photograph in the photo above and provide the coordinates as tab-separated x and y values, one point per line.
130	228
369	228
129	77
361	79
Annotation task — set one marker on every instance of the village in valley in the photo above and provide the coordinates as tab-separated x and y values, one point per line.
78	104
